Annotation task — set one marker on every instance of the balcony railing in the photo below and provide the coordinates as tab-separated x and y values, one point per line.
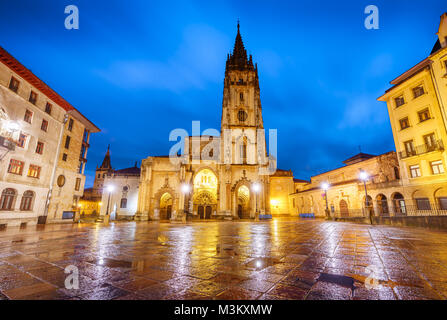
425	148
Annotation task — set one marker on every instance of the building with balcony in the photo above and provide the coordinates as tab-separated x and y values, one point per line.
43	148
417	108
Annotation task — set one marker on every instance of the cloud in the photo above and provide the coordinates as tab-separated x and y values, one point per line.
197	61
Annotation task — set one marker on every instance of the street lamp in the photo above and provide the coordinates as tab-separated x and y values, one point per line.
186	189
325	186
110	189
364	176
256	188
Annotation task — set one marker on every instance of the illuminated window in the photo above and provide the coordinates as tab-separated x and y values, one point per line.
28	116
415	171
32	97
424	115
14	84
48	108
27	201
22	141
418	91
437	167
16	167
404	123
44	126
399	101
39	148
34	171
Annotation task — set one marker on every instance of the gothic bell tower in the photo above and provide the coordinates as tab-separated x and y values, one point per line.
241	108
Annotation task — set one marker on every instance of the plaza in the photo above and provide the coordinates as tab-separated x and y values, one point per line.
286	258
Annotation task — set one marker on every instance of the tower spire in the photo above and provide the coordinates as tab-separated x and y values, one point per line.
106	163
238	60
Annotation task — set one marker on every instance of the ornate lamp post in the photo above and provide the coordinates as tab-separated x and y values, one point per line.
186	189
325	186
256	189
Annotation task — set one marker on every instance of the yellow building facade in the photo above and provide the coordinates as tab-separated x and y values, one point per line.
416	105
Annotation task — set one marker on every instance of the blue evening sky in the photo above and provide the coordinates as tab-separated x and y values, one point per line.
138	69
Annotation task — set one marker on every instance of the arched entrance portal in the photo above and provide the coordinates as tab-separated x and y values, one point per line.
243	202
205	194
165	206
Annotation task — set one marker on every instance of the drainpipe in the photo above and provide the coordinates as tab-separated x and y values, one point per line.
43	219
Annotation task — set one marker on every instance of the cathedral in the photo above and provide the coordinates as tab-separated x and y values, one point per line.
217	177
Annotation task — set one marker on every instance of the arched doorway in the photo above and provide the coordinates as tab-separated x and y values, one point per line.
382	205
344	209
399	207
166	206
243	202
205	193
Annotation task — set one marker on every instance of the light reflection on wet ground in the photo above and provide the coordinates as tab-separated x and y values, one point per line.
281	259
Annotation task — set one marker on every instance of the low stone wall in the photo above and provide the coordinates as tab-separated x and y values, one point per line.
432	222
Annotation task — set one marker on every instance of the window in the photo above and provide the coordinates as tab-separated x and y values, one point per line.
85	136
48	108
44	126
32	97
39	147
243	151
7	200
437	167
67	142
70	125
78	184
409	148
61	181
27	201
423	204
424	115
123	204
430	142
396	173
16	167
34	171
99	175
241	96
242	115
445	64
28	116
415	171
404	123
14	84
22	140
418	91
442	203
399	101
64	157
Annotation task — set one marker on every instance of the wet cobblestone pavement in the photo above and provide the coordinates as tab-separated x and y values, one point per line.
281	259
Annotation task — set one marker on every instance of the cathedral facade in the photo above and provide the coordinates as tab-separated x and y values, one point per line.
225	176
